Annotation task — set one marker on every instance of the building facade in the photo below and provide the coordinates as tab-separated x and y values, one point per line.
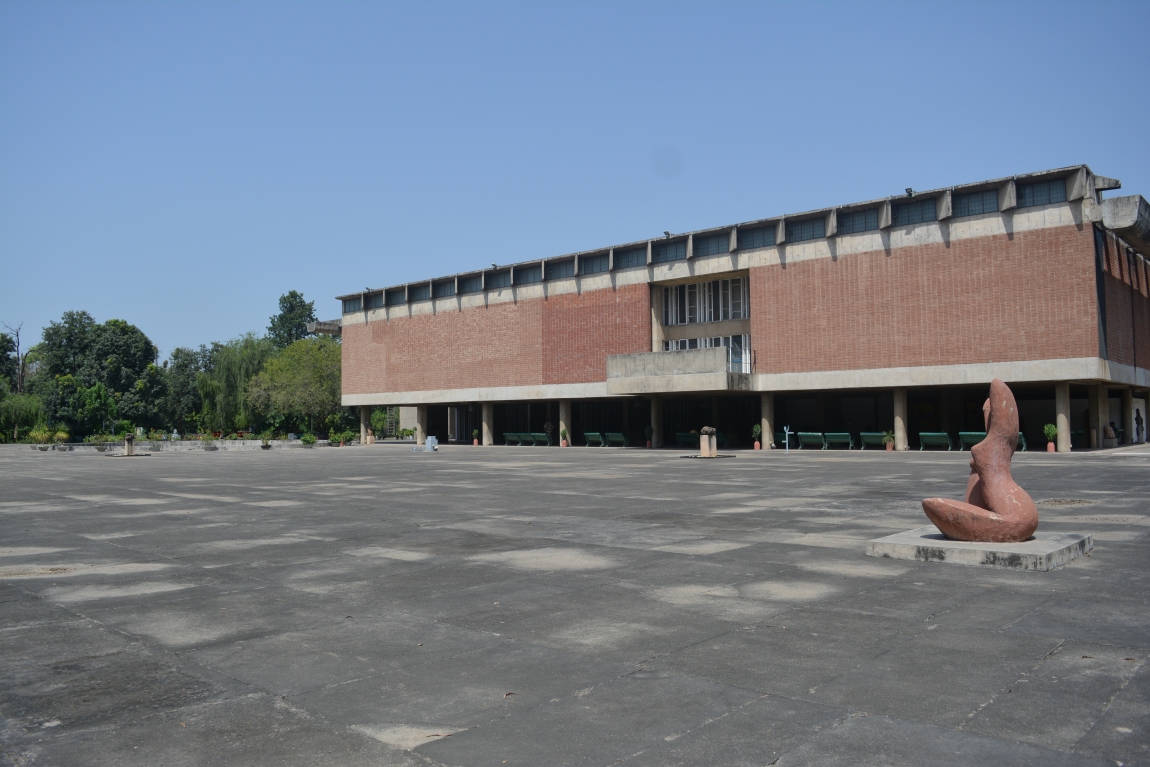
892	314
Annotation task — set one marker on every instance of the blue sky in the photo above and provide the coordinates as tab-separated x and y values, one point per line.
180	165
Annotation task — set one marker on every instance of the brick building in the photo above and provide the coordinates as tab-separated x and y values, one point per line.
891	314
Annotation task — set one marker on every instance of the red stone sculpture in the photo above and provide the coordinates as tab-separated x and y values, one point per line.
996	508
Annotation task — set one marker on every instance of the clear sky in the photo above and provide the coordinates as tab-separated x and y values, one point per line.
180	165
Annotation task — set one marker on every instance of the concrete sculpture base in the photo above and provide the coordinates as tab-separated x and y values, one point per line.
1045	551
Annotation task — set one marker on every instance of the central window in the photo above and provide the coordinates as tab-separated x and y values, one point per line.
712	301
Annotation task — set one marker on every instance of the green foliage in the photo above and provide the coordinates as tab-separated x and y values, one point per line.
290	325
19	412
301	383
379	421
756	431
888	437
308	439
223	384
182	403
1051	432
8	362
475	433
143	404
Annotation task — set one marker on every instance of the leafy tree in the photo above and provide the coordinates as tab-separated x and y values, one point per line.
8	363
301	383
143	404
121	355
66	347
20	411
290	325
182	403
223	384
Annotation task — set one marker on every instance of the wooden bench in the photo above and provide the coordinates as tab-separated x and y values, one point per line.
615	438
838	438
934	438
541	438
968	439
871	438
812	439
509	437
685	439
594	439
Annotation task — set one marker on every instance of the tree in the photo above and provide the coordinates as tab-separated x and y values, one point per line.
143	404
20	411
290	325
182	401
9	360
222	385
301	383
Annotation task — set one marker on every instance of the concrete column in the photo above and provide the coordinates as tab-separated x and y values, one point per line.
421	424
565	420
1062	415
366	437
656	421
1128	414
488	416
1099	414
900	441
767	406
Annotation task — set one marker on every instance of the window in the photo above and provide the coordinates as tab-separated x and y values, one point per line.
712	301
858	221
1042	193
597	264
395	297
496	280
759	237
443	288
811	229
472	284
669	251
976	203
375	301
352	305
418	292
712	244
557	270
526	275
738	349
918	212
625	259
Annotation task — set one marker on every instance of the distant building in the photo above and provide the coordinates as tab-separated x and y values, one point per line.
891	314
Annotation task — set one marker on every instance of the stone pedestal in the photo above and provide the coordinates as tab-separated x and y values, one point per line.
1044	551
707	446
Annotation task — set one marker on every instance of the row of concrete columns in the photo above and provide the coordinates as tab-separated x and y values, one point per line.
1098	414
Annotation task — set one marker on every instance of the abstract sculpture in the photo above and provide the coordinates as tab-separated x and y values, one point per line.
996	508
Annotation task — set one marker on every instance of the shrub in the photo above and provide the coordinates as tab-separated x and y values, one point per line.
1051	432
308	439
756	431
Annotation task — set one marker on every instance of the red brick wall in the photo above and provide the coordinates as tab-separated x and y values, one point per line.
990	299
1127	306
559	339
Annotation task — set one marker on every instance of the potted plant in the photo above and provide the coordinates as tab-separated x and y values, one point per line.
647	432
888	440
308	440
266	441
562	438
209	441
756	432
475	437
1051	432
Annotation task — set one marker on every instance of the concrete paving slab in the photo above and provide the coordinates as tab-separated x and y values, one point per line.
664	584
1044	551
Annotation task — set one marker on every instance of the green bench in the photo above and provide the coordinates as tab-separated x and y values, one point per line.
511	437
934	438
1021	442
526	439
594	439
871	438
615	438
968	439
685	439
780	439
811	439
1077	438
541	438
838	438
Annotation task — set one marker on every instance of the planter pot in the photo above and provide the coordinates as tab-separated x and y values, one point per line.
341	443
475	443
758	445
309	446
562	443
1050	447
890	447
265	447
40	447
648	444
101	448
210	447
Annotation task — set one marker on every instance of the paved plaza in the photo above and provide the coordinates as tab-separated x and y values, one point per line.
537	607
